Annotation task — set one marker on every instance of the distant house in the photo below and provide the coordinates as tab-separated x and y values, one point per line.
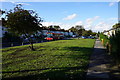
64	32
110	32
2	29
42	33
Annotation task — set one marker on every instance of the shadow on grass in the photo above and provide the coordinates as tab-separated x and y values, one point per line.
52	74
79	52
59	73
81	49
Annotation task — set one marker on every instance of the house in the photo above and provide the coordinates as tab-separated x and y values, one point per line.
111	32
2	29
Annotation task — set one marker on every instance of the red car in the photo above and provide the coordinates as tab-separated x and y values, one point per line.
54	36
48	38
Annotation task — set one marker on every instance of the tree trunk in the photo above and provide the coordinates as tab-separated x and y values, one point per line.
31	43
31	47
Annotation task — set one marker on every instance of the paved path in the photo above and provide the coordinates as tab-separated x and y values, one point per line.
97	69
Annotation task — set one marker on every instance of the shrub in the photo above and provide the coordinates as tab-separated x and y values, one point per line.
104	38
115	45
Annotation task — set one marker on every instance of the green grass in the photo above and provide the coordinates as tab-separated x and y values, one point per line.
56	60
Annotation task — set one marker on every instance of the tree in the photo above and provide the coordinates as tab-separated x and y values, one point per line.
80	29
73	29
85	33
10	37
50	26
21	21
88	33
117	25
3	19
94	34
56	27
1	12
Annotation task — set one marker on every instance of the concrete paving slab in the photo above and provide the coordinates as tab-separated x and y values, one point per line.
97	69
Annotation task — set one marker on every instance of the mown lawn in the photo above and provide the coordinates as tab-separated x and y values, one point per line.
56	60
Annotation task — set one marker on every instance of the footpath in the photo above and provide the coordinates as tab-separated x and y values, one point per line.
97	69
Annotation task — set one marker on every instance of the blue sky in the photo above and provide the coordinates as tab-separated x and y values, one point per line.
97	16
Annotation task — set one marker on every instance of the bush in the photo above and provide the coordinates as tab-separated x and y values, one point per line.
112	44
104	38
10	37
115	45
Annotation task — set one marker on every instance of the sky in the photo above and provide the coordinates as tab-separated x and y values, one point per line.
61	0
97	16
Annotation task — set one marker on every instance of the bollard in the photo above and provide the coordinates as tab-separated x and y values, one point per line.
102	41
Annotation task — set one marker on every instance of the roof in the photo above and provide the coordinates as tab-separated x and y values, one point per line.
109	30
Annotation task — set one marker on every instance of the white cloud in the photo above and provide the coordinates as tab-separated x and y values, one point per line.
96	17
93	24
88	27
70	17
12	2
90	23
101	26
2	0
23	3
79	23
91	20
113	19
112	3
62	25
62	0
66	26
19	3
50	23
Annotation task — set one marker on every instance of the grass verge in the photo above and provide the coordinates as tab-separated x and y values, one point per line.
56	60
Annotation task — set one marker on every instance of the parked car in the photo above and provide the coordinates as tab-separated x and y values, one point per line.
91	37
84	37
